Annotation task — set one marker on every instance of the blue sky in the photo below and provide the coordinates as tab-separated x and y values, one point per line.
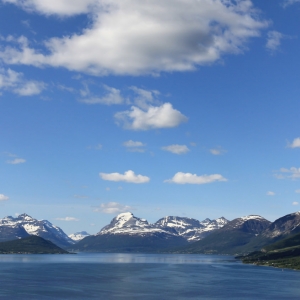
174	107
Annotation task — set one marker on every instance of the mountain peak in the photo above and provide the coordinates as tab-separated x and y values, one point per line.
25	217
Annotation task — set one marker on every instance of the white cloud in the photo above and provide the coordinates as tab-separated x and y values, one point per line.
164	116
3	197
217	151
297	191
16	161
295	143
14	82
113	96
132	143
144	98
97	147
30	88
176	149
270	193
128	176
183	178
59	7
295	203
134	37
287	3
292	173
67	219
274	40
112	208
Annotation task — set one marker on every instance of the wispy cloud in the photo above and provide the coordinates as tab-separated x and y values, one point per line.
80	196
292	173
133	144
15	82
16	161
68	219
188	178
287	3
270	193
274	40
112	96
112	208
217	151
295	203
129	176
176	149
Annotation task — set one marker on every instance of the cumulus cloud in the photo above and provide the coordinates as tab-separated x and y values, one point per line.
14	82
67	219
164	116
183	178
3	197
295	143
112	208
128	176
176	149
133	37
132	143
16	161
112	96
217	151
292	173
274	40
270	193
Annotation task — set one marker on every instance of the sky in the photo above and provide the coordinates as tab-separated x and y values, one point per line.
166	107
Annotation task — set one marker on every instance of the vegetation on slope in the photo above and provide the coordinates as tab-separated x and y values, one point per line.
30	245
282	254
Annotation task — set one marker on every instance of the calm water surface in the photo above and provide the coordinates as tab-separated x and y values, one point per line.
141	276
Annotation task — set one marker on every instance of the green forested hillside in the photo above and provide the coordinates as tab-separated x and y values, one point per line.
31	245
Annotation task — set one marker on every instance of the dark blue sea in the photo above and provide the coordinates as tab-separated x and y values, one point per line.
141	276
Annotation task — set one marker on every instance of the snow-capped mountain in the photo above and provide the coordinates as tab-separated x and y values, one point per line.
24	225
78	236
191	229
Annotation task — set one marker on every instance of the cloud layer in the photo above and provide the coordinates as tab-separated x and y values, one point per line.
184	178
141	37
129	176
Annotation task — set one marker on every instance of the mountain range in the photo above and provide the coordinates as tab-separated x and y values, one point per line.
171	234
127	233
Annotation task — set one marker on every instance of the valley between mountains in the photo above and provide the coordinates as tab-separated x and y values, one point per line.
127	233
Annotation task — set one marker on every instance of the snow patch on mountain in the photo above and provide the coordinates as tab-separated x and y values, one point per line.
78	236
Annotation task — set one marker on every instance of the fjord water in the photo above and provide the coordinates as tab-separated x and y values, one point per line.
141	276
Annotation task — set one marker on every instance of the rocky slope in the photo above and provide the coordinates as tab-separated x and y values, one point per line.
235	237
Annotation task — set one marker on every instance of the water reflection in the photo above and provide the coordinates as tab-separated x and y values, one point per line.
116	258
